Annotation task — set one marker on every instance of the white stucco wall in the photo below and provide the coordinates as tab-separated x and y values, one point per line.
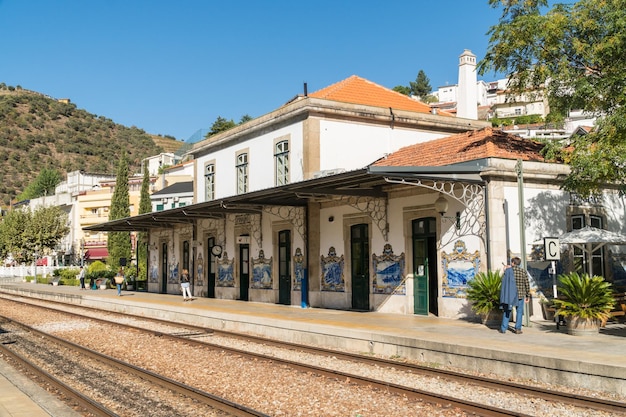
544	211
353	146
260	163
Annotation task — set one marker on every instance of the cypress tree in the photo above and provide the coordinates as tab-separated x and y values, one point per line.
145	206
118	243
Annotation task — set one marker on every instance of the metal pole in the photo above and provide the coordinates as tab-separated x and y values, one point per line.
505	206
554	285
522	228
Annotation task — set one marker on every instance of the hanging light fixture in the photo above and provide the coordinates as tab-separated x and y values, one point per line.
441	206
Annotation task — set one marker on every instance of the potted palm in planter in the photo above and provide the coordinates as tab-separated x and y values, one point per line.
129	282
484	293
586	301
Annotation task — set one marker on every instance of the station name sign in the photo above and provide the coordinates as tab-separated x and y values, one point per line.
551	249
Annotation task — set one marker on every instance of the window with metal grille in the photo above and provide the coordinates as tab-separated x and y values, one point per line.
209	181
597	256
242	173
281	157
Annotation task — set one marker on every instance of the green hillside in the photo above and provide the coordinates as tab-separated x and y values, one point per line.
38	131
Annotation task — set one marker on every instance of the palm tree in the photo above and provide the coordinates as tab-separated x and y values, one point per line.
484	292
585	297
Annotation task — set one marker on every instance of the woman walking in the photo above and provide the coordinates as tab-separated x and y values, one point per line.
119	280
184	284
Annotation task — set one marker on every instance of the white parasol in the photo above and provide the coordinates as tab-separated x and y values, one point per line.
590	239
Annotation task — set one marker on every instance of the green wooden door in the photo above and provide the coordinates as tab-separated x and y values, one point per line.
359	256
420	277
284	267
165	270
244	271
212	270
425	286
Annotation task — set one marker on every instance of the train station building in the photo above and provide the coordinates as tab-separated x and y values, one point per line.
356	197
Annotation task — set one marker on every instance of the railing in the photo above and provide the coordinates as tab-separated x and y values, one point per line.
22	271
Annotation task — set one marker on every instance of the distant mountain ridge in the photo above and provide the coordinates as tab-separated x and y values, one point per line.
38	131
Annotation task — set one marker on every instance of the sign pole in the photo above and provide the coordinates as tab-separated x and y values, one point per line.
552	253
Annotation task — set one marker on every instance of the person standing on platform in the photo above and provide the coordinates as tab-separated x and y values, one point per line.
119	280
519	276
184	284
81	277
508	297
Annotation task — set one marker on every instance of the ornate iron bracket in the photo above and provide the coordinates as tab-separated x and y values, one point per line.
251	222
293	214
219	226
471	195
376	209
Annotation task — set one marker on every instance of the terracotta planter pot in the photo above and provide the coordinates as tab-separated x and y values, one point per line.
547	314
493	319
578	326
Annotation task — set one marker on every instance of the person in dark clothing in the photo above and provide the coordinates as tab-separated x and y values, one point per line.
81	277
519	277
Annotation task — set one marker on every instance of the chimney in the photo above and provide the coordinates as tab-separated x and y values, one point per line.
306	90
467	96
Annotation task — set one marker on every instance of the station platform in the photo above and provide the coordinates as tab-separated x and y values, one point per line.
542	352
20	397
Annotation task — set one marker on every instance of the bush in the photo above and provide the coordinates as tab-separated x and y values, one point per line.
97	266
69	275
484	292
585	297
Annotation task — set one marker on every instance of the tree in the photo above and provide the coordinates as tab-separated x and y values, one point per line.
43	185
574	53
220	125
46	228
245	118
402	89
24	232
145	206
118	243
421	86
12	238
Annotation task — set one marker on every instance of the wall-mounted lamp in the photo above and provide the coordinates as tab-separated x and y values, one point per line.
441	206
331	219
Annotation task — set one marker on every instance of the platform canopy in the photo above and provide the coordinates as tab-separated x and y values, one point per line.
355	184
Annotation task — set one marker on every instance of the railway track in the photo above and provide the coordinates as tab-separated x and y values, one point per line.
199	336
38	351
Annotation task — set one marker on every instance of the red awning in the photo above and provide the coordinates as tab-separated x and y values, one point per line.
94	254
42	262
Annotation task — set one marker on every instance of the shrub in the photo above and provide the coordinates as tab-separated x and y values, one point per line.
484	292
585	297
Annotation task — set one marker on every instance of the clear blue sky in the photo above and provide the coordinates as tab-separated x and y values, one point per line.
172	67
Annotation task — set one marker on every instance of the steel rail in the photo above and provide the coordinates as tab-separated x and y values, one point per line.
416	394
506	386
214	401
90	406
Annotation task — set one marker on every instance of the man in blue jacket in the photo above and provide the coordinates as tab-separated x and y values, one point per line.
515	292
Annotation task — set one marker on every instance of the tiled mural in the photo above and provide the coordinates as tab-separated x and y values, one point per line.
298	261
388	272
262	271
332	272
225	275
459	267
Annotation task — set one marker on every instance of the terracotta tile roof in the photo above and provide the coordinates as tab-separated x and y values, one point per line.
357	90
464	147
